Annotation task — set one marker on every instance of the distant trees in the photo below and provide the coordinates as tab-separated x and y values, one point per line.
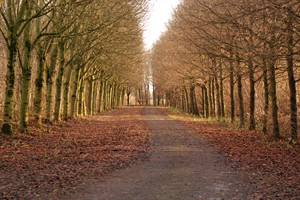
240	55
70	57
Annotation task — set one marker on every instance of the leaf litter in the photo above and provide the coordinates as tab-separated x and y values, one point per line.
274	165
34	165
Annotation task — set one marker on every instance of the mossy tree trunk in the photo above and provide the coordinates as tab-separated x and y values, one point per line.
14	20
81	98
100	101
66	93
26	75
76	82
39	83
10	84
59	80
49	82
90	96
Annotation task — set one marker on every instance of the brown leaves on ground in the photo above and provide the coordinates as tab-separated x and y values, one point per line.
37	164
273	165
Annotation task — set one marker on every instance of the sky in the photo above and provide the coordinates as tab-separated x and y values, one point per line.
160	12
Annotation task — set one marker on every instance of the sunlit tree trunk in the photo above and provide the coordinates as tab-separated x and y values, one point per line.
14	19
90	96
100	100
81	97
49	83
26	75
76	82
66	92
10	83
59	80
39	84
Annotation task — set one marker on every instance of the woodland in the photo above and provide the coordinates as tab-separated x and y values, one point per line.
69	66
237	61
63	59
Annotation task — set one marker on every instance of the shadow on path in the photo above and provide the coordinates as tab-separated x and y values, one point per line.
182	166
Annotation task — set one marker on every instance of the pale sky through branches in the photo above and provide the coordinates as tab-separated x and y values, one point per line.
160	14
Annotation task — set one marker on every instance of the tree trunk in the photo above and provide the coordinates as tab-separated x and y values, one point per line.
210	98
203	101
105	96
59	80
74	92
266	97
10	84
26	77
187	99
49	83
100	100
240	94
231	86
90	97
252	95
273	95
67	93
39	85
81	98
213	97
218	96
222	92
291	78
192	107
206	102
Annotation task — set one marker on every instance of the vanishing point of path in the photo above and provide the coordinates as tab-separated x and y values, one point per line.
182	166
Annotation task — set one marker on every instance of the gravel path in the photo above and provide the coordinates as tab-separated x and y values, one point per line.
182	166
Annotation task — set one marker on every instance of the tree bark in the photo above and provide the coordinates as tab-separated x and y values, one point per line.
90	97
273	95
67	92
39	84
231	86
76	82
266	97
10	84
222	92
49	83
291	78
240	94
26	77
59	80
252	95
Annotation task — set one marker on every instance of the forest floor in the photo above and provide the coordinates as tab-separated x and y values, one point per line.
39	163
137	151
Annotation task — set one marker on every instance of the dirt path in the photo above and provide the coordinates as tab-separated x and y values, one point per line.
181	166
